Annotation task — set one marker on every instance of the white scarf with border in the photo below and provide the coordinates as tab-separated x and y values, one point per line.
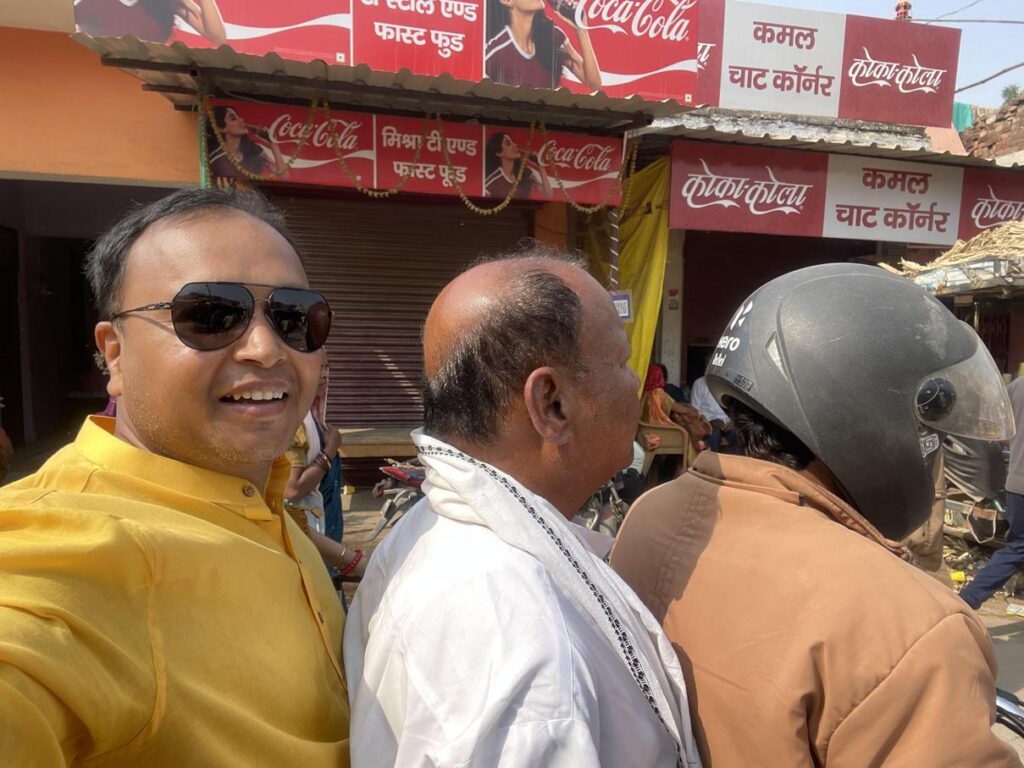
529	523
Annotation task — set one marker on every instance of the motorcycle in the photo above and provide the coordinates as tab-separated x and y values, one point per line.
400	489
1009	711
605	510
975	520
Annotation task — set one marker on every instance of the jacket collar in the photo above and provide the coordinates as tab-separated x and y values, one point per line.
794	487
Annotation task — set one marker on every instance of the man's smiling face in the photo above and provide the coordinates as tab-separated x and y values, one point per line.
231	410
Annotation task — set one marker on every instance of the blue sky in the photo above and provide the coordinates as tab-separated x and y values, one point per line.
984	48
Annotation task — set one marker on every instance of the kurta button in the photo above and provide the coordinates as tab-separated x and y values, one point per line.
320	616
248	490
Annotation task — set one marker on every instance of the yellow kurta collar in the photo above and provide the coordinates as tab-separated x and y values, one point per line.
96	441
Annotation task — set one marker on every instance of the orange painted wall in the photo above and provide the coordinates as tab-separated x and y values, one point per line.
64	115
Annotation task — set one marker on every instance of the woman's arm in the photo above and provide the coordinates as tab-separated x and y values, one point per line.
204	17
338	555
541	175
280	165
583	63
304	480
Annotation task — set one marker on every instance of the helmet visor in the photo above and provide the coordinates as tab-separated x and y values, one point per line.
968	399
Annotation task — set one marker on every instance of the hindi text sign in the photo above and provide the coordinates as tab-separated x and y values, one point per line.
990	198
747	189
875	199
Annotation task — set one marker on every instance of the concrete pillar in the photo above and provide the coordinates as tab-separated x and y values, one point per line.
672	308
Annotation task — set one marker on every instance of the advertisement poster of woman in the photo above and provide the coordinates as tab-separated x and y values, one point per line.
252	147
150	20
525	47
503	160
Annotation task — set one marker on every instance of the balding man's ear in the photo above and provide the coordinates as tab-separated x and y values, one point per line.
109	345
544	395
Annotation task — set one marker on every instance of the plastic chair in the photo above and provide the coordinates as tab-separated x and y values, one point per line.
674	441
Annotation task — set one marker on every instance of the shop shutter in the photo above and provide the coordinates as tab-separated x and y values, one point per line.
381	265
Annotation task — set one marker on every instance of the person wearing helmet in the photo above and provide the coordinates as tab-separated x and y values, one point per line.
804	635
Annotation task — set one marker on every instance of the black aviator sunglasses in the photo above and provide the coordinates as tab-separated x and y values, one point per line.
208	316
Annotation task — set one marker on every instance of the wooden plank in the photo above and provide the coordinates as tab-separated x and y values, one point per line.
364	442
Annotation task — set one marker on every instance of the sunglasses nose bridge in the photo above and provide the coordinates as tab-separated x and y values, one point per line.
261	339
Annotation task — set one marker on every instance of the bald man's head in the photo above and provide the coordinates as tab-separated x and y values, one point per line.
488	330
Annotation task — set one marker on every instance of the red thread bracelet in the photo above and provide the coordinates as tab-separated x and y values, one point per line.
352	563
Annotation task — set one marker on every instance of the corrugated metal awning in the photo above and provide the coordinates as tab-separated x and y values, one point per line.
766	129
175	70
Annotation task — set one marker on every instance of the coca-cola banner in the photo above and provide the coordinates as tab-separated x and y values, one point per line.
747	189
350	149
764	57
621	47
874	199
991	198
732	188
895	71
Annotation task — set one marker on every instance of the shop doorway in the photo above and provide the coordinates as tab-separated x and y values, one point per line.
10	342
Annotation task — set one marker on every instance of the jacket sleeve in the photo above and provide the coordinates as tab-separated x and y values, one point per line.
936	707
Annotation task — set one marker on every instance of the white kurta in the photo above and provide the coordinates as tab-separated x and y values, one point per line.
702	399
461	650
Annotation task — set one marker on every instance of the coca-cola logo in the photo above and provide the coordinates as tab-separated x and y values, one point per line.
906	78
993	211
759	196
653	19
328	134
590	157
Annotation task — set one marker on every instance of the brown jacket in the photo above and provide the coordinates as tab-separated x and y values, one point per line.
804	639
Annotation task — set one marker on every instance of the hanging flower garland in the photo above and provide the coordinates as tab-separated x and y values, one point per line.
458	186
623	182
377	194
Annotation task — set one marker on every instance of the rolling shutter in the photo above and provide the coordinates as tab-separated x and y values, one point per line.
381	265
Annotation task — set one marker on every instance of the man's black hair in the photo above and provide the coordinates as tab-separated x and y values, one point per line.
105	264
535	322
764	439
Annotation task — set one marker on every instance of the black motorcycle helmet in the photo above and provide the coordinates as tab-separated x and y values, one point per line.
869	372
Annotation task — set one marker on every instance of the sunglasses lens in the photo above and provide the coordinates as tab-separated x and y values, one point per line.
211	315
301	317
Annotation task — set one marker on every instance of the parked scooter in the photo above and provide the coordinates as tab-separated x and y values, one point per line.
400	489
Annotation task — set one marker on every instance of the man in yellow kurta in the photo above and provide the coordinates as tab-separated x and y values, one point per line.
157	608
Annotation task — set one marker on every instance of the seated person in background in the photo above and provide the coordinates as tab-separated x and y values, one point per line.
702	399
657	407
681	394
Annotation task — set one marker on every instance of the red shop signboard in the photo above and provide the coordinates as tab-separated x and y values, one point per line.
729	188
770	58
349	149
990	198
621	47
734	188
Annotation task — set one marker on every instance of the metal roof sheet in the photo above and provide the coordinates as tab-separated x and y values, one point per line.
174	70
896	142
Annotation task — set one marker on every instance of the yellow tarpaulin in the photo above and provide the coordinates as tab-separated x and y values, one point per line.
643	251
